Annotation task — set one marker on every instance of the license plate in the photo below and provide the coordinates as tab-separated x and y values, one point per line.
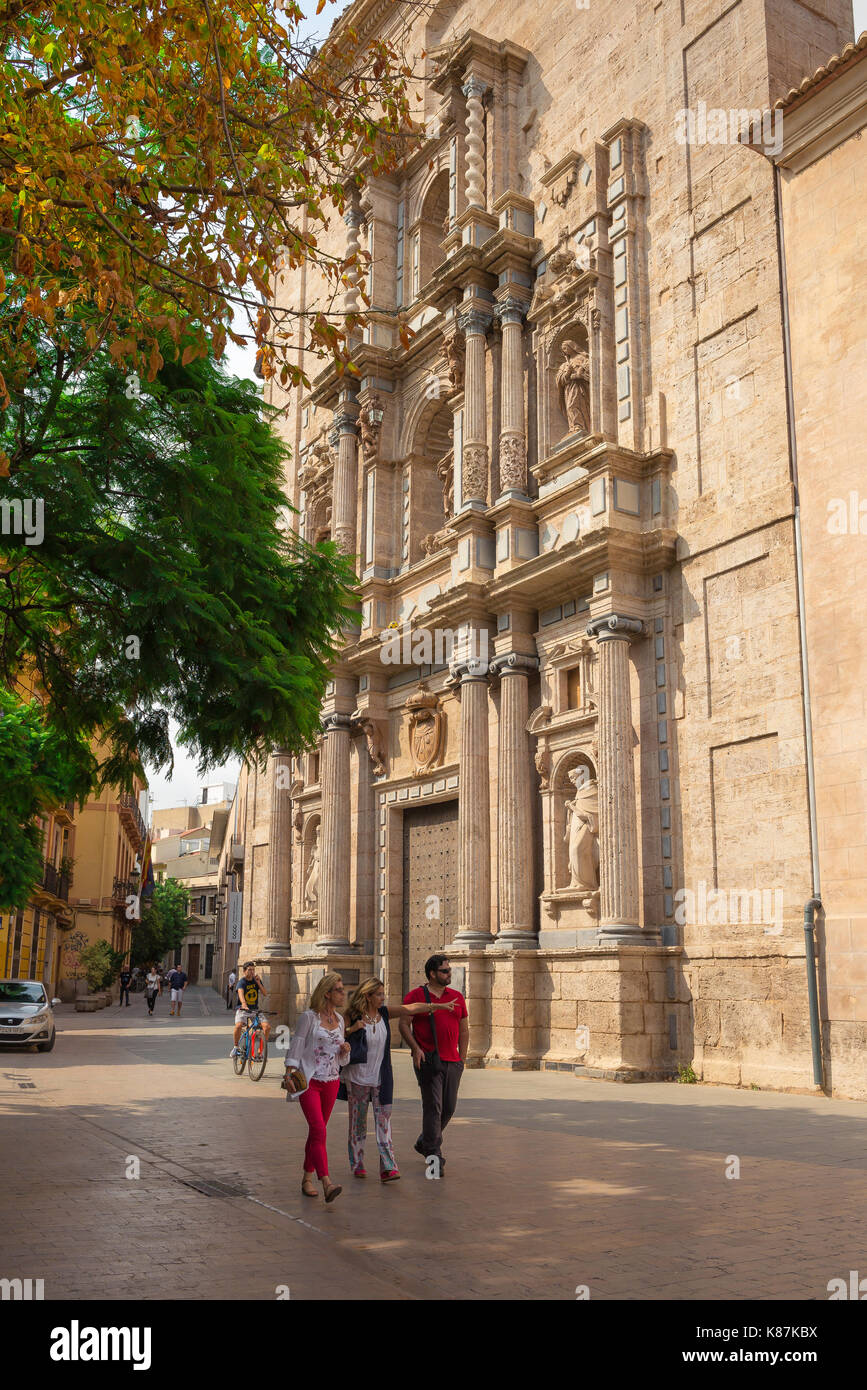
10	1030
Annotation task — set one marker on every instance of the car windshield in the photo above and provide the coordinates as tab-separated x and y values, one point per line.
20	992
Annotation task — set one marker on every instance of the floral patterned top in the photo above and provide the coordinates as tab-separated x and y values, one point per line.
314	1049
327	1042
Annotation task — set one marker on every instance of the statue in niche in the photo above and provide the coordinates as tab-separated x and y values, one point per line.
582	831
311	888
573	381
446	475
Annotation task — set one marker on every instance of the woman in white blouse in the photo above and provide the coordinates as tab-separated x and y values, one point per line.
318	1050
367	1078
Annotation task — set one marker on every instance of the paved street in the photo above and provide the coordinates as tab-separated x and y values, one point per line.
552	1183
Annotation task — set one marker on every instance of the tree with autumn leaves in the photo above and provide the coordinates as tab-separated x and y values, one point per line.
159	164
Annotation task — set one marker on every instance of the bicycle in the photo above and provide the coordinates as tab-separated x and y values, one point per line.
252	1049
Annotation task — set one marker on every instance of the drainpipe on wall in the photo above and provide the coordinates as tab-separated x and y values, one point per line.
815	901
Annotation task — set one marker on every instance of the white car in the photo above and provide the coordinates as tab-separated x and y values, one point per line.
26	1014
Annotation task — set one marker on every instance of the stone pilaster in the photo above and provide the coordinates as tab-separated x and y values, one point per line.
474	458
280	859
514	811
513	438
618	826
335	835
474	808
343	525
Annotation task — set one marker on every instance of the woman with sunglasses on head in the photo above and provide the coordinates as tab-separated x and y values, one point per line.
312	1076
367	1078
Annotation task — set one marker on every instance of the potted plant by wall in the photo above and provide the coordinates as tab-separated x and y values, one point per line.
73	982
101	966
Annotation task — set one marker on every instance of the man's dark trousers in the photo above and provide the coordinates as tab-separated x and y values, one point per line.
439	1096
124	990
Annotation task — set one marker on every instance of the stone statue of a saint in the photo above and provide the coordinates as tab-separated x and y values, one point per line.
573	381
582	831
311	888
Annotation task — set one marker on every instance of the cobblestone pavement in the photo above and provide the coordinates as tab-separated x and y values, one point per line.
551	1183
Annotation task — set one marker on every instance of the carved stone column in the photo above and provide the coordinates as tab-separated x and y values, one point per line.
474	457
513	438
280	860
474	89
343	523
618	828
353	219
514	811
474	808
334	835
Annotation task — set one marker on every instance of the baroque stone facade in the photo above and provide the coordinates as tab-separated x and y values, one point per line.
579	761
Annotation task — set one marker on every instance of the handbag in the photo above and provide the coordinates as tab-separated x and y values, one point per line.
432	1065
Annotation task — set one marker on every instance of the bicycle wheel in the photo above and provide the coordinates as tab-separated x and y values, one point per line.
240	1062
258	1055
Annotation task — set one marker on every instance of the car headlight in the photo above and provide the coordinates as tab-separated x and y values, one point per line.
37	1018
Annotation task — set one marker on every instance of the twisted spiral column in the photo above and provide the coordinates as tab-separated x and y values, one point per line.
474	89
353	220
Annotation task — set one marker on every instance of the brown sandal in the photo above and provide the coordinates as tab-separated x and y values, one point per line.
308	1190
332	1192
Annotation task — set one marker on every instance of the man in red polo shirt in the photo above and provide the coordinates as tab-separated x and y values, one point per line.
439	1081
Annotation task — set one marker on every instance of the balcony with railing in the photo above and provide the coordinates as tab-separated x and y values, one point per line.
54	882
131	816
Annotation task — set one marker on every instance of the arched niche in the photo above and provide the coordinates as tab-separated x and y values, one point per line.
431	478
432	227
563	790
566	385
309	850
319	520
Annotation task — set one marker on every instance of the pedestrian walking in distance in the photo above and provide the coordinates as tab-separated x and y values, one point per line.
125	980
439	1052
177	985
367	1079
317	1050
230	989
153	987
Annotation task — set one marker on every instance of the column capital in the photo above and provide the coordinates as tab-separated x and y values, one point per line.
510	310
334	723
475	320
476	668
615	627
474	86
514	664
345	418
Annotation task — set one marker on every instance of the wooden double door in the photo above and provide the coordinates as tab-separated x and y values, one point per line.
430	884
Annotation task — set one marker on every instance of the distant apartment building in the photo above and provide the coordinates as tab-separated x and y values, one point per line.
111	837
32	936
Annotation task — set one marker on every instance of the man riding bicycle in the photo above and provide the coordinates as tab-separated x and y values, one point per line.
248	991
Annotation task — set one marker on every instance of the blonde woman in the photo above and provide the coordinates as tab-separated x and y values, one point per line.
367	1078
318	1050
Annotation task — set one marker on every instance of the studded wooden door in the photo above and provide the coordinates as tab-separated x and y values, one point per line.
430	884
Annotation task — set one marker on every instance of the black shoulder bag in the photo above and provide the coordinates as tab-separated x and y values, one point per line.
432	1065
